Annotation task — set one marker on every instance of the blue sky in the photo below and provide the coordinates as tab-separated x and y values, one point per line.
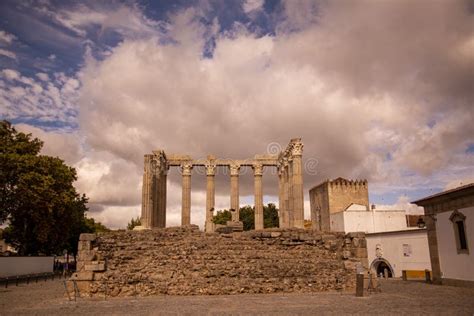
377	90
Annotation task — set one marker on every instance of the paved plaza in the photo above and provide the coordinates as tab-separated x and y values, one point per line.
397	297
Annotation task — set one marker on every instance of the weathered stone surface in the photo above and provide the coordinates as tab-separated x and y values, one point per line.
185	261
87	237
95	266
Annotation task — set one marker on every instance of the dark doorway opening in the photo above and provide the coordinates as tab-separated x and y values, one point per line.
384	269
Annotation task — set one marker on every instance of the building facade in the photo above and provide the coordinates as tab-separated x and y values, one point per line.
398	250
449	218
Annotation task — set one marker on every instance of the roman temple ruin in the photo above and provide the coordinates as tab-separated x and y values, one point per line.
290	186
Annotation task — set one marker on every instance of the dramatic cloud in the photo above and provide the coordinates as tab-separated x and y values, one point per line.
376	90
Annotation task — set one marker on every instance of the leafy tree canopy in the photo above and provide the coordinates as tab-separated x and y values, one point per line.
37	197
247	216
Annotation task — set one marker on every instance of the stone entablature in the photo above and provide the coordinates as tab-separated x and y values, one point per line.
290	192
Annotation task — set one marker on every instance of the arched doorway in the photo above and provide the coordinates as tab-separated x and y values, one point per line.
381	266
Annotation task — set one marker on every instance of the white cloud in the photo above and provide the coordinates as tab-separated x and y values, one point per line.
7	53
252	5
10	74
6	37
43	76
44	100
371	98
66	146
402	204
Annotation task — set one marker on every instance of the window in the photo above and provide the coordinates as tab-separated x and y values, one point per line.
459	225
407	250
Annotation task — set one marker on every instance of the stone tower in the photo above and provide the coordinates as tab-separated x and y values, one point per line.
334	196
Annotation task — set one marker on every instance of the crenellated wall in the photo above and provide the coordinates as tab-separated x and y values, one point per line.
334	196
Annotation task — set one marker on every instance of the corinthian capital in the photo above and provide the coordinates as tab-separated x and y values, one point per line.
234	169
186	169
297	149
210	169
257	169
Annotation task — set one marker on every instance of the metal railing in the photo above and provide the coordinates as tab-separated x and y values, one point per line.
27	278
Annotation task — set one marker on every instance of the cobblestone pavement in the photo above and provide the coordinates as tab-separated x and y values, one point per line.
397	297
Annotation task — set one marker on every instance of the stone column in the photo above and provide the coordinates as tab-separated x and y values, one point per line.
147	191
281	196
210	195
162	199
291	200
286	194
157	195
234	191
258	172
186	194
298	195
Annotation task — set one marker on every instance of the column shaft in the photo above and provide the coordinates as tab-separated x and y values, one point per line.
210	197
281	199
147	192
156	199
286	197
298	195
234	197
258	173
162	201
186	195
291	200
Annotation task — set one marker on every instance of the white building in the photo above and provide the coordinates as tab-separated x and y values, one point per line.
356	218
449	218
391	244
398	250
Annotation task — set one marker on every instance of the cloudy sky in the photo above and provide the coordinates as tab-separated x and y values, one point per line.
382	90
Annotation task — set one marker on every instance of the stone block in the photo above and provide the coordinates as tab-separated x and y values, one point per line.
304	237
356	235
350	265
94	266
83	276
275	234
84	245
359	252
355	242
87	237
79	265
365	263
346	254
326	238
86	256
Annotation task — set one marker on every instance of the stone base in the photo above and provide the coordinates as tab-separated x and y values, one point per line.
210	227
237	226
140	228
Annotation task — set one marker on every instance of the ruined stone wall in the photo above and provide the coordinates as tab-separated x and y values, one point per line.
185	261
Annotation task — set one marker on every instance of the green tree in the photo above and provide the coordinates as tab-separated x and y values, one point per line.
247	216
270	216
222	217
37	197
134	222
